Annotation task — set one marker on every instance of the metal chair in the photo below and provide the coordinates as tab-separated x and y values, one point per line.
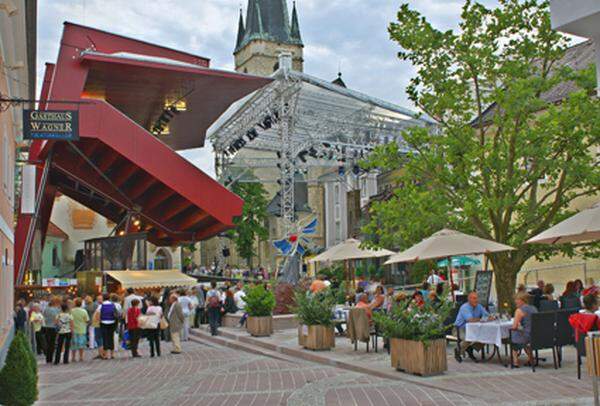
548	305
570	303
564	334
542	335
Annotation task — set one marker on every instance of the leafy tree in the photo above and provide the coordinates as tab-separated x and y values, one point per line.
504	163
250	226
18	377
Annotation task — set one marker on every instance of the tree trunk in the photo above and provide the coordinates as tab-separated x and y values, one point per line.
506	267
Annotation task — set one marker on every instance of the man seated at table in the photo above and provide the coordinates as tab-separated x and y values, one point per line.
469	312
318	284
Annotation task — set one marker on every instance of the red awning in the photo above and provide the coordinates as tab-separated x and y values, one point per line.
206	93
118	168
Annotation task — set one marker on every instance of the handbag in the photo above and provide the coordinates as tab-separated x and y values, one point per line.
164	324
148	322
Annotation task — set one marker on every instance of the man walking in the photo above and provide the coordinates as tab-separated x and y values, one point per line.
176	320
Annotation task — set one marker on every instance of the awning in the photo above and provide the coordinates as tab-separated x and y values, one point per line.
151	279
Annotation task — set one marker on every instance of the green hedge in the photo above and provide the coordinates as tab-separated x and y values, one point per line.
18	377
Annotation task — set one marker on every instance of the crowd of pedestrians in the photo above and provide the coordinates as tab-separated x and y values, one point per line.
63	327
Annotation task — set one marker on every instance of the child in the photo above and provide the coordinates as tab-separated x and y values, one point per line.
64	321
80	321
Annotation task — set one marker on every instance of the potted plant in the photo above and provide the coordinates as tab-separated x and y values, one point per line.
417	336
259	306
315	313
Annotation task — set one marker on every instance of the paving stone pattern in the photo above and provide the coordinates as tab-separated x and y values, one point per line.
210	374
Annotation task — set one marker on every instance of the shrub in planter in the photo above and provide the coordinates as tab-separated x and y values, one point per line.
18	377
417	336
316	324
259	306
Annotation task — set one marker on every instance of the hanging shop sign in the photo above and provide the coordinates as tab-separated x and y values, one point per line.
51	125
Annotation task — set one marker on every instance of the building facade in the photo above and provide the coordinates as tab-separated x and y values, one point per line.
17	81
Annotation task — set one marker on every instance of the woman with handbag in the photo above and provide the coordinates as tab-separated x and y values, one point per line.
153	334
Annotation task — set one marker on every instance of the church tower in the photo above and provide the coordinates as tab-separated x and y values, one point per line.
266	33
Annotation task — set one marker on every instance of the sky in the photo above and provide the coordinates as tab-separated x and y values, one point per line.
350	35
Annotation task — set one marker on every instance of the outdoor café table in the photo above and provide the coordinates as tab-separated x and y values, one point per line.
489	332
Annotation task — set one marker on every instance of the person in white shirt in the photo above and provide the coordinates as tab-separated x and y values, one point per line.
186	306
239	296
434	278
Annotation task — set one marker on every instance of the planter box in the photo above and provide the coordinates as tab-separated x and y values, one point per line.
316	338
415	357
260	326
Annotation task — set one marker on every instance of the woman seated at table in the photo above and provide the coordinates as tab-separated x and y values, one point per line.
590	305
521	328
548	292
569	293
378	299
363	303
417	299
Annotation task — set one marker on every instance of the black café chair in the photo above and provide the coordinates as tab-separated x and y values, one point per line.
542	335
565	335
570	303
548	305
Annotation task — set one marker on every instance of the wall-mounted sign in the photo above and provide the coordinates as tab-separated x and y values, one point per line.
51	125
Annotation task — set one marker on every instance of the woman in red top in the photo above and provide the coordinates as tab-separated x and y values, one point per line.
133	327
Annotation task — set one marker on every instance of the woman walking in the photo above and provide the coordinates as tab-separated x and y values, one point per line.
64	321
153	334
133	326
80	322
109	316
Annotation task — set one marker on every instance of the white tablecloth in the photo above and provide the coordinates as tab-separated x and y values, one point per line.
491	332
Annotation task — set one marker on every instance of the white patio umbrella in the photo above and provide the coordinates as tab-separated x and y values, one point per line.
446	244
350	249
347	250
583	226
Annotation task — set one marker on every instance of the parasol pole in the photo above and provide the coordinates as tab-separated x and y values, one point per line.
449	259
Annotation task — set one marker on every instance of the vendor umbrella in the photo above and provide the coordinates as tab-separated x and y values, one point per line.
583	226
446	244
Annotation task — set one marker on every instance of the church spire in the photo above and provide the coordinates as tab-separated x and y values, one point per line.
241	30
295	29
268	20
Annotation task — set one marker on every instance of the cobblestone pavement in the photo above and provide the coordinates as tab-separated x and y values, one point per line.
209	374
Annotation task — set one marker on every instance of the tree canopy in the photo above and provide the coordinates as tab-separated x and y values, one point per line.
505	161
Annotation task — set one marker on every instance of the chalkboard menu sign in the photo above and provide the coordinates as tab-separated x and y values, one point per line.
483	286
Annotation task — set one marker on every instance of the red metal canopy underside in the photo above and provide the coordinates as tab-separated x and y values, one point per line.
118	167
207	92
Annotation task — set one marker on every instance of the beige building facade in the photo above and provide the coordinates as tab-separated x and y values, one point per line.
17	81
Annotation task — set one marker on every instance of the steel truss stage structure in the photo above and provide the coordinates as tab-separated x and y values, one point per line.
305	122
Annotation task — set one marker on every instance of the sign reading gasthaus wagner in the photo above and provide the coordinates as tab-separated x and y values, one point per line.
51	125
